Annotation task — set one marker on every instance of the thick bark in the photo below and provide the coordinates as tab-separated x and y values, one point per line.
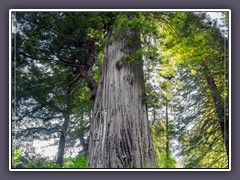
219	107
120	134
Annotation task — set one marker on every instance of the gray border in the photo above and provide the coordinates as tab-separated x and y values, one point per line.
163	4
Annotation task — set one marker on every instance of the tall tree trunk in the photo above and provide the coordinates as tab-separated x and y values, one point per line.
219	107
82	132
61	145
167	137
120	134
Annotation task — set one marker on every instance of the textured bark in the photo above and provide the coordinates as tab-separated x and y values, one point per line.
119	134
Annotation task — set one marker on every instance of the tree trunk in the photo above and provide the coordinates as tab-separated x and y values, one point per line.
167	137
82	132
219	107
61	145
120	134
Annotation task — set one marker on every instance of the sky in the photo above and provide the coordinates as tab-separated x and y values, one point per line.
217	16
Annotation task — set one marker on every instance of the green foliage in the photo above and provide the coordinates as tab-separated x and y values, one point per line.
38	164
165	160
78	162
19	161
16	154
197	47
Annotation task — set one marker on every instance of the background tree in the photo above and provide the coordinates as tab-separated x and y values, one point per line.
45	60
202	52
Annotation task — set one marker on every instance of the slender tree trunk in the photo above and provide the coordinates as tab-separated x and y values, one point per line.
219	107
83	141
167	136
154	115
120	134
61	145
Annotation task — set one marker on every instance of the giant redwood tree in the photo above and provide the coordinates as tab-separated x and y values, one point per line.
120	134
